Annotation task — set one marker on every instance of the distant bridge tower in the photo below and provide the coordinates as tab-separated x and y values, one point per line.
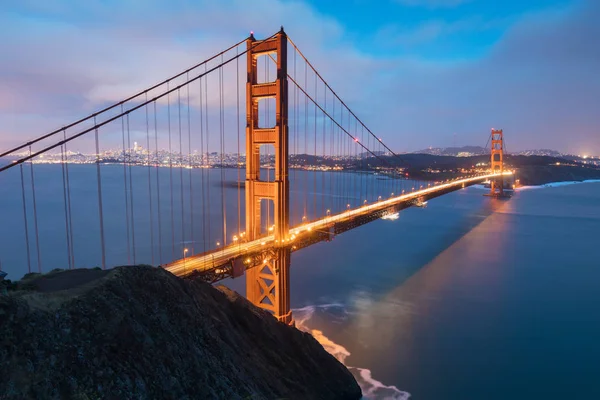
268	282
497	155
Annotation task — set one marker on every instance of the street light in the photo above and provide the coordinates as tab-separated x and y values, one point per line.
328	212
184	253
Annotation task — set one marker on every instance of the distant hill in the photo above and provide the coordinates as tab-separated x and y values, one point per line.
454	151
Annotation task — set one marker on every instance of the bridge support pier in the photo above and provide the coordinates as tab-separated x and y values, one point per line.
268	283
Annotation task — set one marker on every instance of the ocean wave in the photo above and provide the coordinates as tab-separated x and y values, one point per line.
372	389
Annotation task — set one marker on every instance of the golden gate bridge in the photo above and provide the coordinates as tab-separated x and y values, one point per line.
292	168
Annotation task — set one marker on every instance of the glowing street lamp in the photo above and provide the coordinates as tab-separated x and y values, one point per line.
184	253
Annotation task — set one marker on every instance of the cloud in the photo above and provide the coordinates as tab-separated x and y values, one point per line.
538	82
431	30
433	3
66	62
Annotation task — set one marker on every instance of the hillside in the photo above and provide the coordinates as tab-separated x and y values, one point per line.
141	333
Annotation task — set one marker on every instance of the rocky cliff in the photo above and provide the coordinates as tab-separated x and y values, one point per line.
141	333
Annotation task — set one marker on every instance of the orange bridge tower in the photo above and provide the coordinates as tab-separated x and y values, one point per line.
268	281
497	157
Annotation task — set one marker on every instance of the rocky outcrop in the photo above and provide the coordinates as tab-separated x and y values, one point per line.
141	333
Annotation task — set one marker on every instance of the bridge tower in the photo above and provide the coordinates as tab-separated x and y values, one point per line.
268	282
497	157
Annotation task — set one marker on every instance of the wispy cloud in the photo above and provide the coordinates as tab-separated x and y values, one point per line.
540	79
433	3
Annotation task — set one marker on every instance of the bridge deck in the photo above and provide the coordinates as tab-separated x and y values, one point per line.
233	259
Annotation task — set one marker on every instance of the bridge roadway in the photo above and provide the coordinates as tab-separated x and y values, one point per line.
232	260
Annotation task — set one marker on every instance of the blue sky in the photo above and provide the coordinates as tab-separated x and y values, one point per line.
419	72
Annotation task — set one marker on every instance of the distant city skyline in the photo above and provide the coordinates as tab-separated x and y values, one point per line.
419	73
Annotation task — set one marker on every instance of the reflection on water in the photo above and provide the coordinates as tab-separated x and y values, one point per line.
473	298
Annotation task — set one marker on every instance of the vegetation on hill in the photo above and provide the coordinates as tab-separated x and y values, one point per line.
142	333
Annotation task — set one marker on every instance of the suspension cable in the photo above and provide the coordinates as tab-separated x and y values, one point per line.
31	142
44	150
335	122
341	101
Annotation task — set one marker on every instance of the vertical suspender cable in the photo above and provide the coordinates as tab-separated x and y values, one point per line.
294	138
131	212
171	175
191	166
239	192
207	146
222	135
69	202
125	188
369	176
25	220
315	159
160	248
202	168
332	200
323	158
341	159
67	232
180	168
100	208
151	214
35	218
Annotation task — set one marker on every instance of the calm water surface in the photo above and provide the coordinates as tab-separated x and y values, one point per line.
469	298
